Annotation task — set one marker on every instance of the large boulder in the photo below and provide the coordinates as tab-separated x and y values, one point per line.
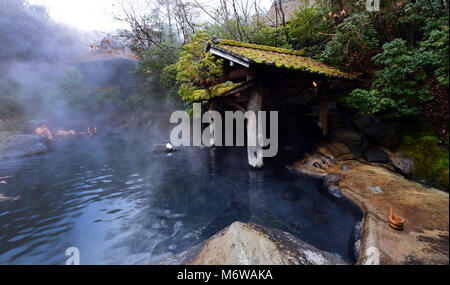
19	145
4	135
346	136
330	183
251	244
376	155
402	163
362	121
337	150
383	133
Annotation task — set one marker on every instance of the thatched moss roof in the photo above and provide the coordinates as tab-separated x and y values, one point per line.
279	57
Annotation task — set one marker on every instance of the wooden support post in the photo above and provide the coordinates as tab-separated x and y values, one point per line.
254	147
212	124
322	110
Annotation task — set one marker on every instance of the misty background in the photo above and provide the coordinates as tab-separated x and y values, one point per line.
48	73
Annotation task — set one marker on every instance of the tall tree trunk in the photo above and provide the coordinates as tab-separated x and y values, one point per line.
283	22
225	10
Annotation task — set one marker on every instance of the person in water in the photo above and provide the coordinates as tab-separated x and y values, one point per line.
43	131
4	198
61	133
2	179
92	131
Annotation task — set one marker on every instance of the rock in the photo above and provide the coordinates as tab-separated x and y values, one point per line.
383	134
313	165
5	134
376	155
337	150
357	238
402	163
252	244
356	152
346	136
235	211
163	148
362	121
332	179
330	183
425	237
19	145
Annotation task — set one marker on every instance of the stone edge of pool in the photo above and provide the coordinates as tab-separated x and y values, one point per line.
425	237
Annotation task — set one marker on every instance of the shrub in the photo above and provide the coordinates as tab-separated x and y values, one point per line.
400	87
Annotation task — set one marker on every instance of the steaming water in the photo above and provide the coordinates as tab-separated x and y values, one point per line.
114	200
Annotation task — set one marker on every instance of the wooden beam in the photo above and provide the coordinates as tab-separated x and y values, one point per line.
235	99
292	83
322	109
229	57
254	147
212	124
237	73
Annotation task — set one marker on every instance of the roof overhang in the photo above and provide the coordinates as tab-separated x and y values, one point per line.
219	52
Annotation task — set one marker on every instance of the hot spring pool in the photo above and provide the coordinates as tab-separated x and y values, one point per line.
112	199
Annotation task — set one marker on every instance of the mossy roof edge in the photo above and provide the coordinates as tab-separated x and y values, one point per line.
260	47
328	71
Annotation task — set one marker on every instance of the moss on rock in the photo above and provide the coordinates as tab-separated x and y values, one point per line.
444	179
430	160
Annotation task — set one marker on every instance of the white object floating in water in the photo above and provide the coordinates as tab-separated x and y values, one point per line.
169	146
169	154
375	190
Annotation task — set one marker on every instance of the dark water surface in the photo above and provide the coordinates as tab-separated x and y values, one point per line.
113	199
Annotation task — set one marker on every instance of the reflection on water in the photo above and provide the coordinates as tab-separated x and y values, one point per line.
113	199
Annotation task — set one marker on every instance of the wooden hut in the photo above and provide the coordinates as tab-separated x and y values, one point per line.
255	72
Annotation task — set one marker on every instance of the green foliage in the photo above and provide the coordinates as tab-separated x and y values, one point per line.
153	67
168	79
353	44
307	28
444	179
271	36
72	91
215	91
428	20
196	67
400	87
435	48
10	105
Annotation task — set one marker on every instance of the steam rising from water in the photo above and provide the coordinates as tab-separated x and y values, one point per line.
39	68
